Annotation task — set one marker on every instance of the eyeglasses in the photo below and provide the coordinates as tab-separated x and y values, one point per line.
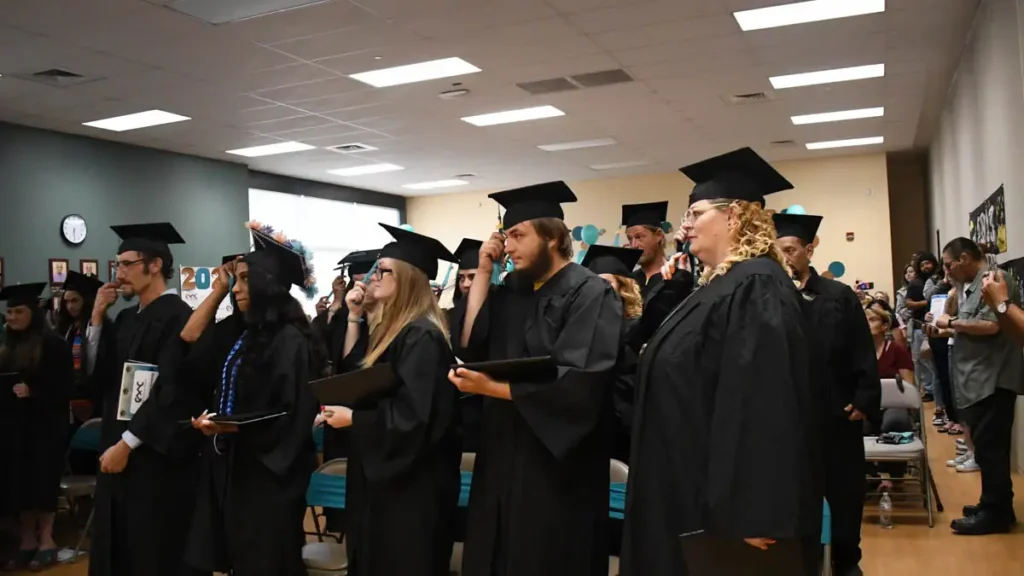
690	216
127	263
379	273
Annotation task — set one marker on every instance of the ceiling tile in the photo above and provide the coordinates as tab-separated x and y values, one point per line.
303	22
701	27
371	36
286	125
309	90
640	14
277	77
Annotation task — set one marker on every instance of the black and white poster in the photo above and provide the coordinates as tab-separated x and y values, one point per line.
988	223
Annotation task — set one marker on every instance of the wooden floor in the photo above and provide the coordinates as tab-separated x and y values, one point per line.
911	548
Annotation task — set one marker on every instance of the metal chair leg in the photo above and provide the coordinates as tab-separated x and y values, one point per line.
85	532
935	490
316	524
826	561
927	483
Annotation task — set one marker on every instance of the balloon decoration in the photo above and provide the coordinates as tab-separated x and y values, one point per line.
580	254
590	234
837	269
827	274
407	227
666	227
577	233
795	209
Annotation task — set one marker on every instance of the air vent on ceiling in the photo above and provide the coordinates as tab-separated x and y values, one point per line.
353	148
576	82
55	77
783	142
464	176
749	98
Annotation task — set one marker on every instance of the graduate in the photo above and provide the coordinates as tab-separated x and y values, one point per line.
724	433
403	472
146	490
471	406
73	316
849	372
36	422
539	499
252	494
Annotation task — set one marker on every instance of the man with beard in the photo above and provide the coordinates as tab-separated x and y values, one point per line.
539	499
146	490
846	364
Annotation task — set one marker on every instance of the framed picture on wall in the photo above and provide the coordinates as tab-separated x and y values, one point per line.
58	271
89	267
111	270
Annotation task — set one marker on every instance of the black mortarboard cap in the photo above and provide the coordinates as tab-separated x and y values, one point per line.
737	175
230	258
651	214
150	238
282	263
611	260
533	202
468	254
421	251
803	226
358	262
23	294
87	286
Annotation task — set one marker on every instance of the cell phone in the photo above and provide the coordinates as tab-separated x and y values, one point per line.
866	286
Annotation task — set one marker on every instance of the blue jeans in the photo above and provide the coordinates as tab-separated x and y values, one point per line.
924	369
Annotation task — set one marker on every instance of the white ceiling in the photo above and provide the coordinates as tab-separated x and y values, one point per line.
284	77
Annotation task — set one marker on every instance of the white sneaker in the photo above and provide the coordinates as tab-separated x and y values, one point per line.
960	460
960	450
961	442
969	466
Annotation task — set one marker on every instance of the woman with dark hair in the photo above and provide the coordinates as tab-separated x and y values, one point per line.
917	300
73	316
260	454
36	364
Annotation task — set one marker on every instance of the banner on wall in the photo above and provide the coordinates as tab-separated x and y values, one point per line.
197	285
988	223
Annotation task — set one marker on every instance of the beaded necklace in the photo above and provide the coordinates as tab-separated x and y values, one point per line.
229	378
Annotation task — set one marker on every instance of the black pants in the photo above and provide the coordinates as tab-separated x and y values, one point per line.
845	486
991	423
940	355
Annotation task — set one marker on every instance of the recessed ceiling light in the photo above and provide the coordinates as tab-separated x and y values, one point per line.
838	116
845	143
271	149
136	121
509	116
578	144
432	70
366	169
434	184
615	165
828	76
803	12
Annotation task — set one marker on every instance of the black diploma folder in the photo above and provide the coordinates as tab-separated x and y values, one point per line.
355	389
707	555
537	369
243	419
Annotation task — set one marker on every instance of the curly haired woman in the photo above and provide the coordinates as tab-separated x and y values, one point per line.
724	427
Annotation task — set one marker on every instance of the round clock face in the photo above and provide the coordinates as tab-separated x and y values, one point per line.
73	229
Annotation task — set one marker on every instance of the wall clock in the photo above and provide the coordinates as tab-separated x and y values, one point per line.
73	229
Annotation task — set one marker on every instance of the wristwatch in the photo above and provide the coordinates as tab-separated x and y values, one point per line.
1003	306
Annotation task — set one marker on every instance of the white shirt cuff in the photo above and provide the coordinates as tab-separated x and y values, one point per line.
131	440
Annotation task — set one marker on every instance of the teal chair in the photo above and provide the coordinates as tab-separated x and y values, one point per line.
826	539
327	487
73	487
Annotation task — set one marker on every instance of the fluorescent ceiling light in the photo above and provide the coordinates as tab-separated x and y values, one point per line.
509	116
804	12
271	149
435	184
828	76
845	143
366	169
578	144
615	165
136	121
432	70
839	116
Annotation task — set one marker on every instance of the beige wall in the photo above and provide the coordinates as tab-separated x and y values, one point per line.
851	192
980	141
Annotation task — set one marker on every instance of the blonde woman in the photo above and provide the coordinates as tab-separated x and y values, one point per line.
724	432
403	471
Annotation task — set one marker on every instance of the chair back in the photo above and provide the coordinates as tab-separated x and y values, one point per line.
87	437
328	485
900	395
468	461
318	438
618	472
336	467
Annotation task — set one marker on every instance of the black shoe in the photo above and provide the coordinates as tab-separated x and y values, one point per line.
985	522
972	510
849	571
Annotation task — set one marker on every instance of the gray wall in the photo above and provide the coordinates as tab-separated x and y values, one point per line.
47	175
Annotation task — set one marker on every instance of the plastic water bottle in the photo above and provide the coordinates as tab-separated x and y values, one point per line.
885	511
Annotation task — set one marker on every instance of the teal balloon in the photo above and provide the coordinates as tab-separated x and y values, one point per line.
407	227
590	234
580	255
577	233
837	269
797	209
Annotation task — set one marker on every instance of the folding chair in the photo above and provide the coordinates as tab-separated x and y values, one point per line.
618	475
826	539
466	467
901	395
73	487
327	490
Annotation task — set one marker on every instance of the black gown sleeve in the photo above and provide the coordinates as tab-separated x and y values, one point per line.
390	437
758	459
860	353
477	349
625	374
661	301
53	386
564	411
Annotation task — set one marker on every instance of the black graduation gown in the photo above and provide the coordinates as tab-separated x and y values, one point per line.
539	499
403	473
143	514
471	406
646	284
661	297
725	424
252	494
38	429
625	390
847	370
332	334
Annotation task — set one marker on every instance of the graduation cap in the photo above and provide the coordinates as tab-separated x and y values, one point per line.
803	226
149	238
468	254
230	258
533	202
421	251
23	294
737	175
85	285
284	264
651	214
358	262
611	260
